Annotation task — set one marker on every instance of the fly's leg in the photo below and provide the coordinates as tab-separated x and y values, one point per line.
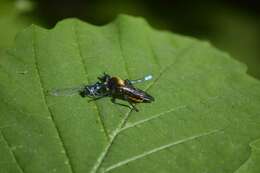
131	103
113	100
133	106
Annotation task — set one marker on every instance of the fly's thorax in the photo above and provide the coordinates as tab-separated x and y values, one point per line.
115	82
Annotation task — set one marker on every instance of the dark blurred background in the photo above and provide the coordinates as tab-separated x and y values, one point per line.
230	25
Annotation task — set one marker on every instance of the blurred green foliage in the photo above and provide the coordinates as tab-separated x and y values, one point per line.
12	20
230	25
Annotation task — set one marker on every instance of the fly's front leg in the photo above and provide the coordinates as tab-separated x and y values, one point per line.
98	97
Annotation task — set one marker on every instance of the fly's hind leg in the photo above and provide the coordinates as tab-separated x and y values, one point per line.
131	103
113	100
133	106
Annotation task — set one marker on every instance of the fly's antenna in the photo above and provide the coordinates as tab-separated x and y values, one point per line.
146	78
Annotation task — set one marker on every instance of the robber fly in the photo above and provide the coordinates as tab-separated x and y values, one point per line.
113	87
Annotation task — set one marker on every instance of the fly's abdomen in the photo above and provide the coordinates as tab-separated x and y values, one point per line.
135	99
148	98
137	96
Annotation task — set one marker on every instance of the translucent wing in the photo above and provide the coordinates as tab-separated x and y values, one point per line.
66	91
149	77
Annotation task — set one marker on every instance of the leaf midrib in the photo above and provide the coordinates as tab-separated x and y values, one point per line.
84	64
123	121
121	125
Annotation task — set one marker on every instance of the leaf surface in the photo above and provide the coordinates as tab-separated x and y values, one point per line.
204	119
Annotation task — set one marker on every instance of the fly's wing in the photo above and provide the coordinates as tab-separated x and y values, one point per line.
146	78
67	91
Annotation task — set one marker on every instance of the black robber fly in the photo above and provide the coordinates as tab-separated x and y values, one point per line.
113	87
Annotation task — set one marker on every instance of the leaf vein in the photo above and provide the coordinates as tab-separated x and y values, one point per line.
127	115
47	106
154	55
12	153
123	121
152	118
179	55
121	50
161	148
163	113
86	74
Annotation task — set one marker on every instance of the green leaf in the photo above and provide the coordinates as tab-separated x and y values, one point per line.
204	118
251	165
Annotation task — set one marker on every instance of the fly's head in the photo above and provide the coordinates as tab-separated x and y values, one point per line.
105	78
